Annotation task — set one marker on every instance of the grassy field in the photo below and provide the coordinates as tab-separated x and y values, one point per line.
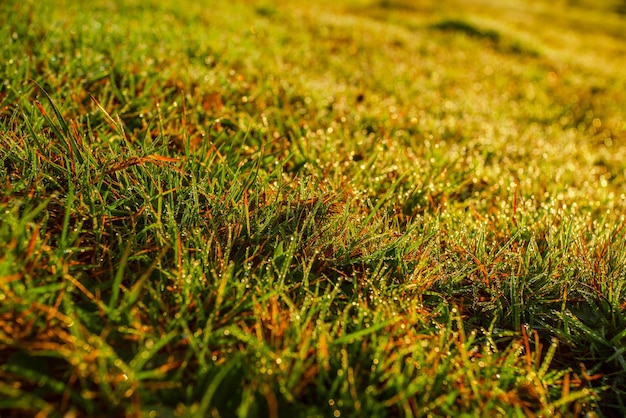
357	208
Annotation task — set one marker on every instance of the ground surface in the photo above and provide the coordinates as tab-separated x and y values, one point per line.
346	208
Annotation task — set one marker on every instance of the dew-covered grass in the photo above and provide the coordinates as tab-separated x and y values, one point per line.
347	208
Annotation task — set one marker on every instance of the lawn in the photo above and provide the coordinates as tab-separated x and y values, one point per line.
357	208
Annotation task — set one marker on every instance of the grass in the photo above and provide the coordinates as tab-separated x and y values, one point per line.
355	208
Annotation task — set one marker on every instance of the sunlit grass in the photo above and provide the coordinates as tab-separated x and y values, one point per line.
355	208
